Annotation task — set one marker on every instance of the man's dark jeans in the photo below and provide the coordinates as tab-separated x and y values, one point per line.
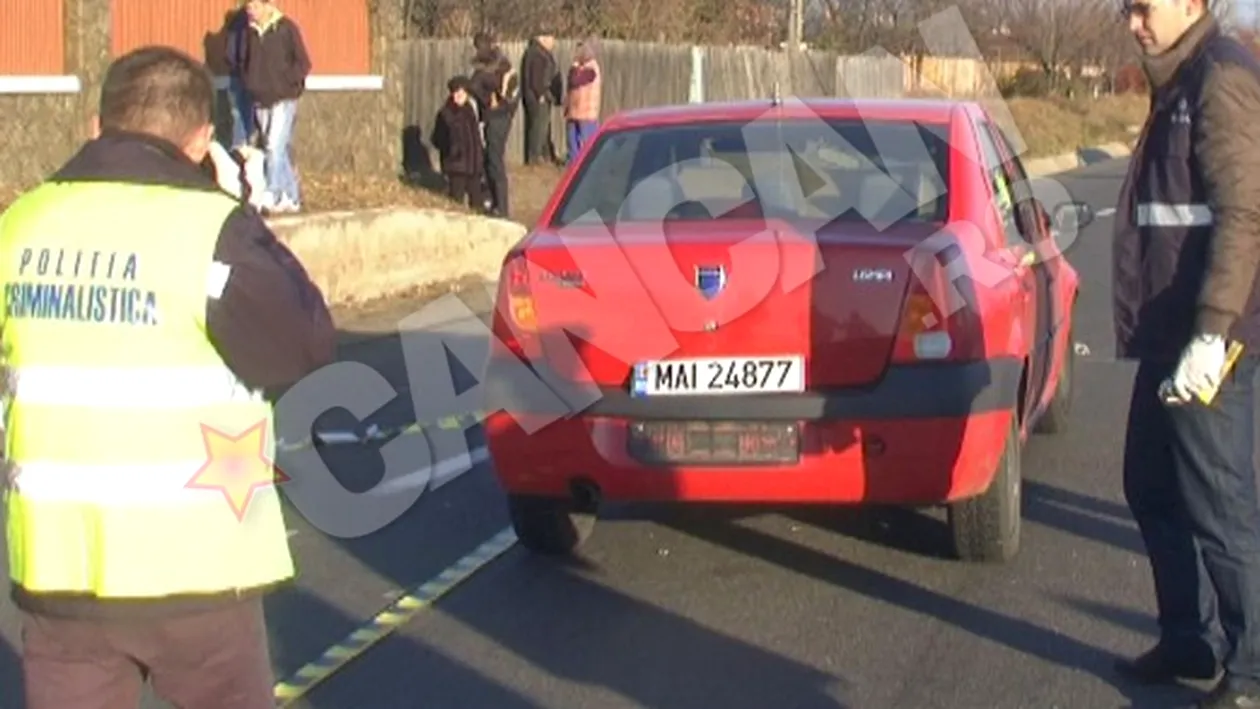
497	132
1190	481
538	145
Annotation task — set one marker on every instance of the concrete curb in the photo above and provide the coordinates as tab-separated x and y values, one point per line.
1050	165
357	257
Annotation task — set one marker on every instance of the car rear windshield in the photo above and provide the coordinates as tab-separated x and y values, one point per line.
807	169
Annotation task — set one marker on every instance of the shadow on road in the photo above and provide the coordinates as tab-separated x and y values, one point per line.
1131	620
300	623
10	676
561	623
1081	515
1014	633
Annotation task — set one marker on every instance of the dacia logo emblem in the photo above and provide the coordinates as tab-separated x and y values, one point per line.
710	281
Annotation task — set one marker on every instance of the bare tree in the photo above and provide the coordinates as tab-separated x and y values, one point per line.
1060	36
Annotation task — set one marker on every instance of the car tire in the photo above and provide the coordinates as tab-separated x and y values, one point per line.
987	528
550	526
1055	418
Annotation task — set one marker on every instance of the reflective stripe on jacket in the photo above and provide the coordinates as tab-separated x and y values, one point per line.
118	398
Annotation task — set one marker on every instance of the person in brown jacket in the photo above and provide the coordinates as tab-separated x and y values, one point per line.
460	144
1185	254
582	103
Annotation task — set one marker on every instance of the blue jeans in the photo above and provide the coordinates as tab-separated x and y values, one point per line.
1190	481
578	133
242	109
276	125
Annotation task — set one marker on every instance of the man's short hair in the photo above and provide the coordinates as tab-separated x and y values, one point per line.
158	91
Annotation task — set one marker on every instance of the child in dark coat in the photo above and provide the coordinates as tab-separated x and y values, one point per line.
458	139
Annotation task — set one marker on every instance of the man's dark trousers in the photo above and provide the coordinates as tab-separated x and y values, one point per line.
497	130
1190	481
538	146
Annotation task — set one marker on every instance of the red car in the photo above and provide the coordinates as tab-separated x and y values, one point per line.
820	301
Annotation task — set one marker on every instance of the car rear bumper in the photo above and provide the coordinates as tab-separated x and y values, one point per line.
924	434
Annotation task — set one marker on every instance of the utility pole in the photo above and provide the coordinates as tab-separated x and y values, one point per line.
796	24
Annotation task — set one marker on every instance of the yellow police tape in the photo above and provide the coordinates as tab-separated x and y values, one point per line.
375	433
387	621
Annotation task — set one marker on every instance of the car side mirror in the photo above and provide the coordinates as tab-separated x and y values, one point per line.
1072	217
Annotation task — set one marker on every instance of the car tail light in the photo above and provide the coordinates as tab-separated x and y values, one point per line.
934	326
515	316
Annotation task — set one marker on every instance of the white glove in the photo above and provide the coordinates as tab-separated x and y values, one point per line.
1198	372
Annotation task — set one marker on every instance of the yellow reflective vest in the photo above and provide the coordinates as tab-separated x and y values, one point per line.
126	480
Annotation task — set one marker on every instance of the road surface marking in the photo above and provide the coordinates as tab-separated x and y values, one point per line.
1106	212
437	475
394	616
376	433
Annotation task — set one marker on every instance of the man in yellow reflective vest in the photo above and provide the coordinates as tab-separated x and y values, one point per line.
144	311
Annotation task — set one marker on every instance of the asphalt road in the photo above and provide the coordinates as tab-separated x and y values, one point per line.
800	609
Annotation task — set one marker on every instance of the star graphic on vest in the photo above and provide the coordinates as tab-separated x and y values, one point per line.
236	466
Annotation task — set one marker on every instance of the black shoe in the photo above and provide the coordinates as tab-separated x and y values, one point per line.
1225	696
1154	667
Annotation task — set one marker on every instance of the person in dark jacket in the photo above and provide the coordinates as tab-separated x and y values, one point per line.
458	140
541	88
496	89
240	104
276	67
1186	248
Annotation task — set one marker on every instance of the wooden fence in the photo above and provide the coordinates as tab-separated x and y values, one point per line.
638	74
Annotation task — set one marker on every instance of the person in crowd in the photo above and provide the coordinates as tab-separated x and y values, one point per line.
496	88
240	104
541	90
582	103
458	139
276	67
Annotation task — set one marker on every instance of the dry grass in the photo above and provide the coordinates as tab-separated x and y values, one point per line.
528	191
1052	126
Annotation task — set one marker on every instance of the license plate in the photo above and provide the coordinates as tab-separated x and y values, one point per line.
713	443
719	375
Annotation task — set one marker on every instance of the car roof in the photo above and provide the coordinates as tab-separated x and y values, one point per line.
922	110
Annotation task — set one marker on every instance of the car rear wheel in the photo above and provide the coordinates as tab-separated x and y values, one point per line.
550	526
1055	418
986	528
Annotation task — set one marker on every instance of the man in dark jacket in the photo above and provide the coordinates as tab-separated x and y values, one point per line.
457	137
497	99
276	68
540	94
241	106
1186	248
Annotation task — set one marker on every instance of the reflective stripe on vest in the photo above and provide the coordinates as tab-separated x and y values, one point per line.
115	388
1157	214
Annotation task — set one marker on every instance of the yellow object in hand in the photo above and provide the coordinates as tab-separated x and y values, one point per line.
1232	354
